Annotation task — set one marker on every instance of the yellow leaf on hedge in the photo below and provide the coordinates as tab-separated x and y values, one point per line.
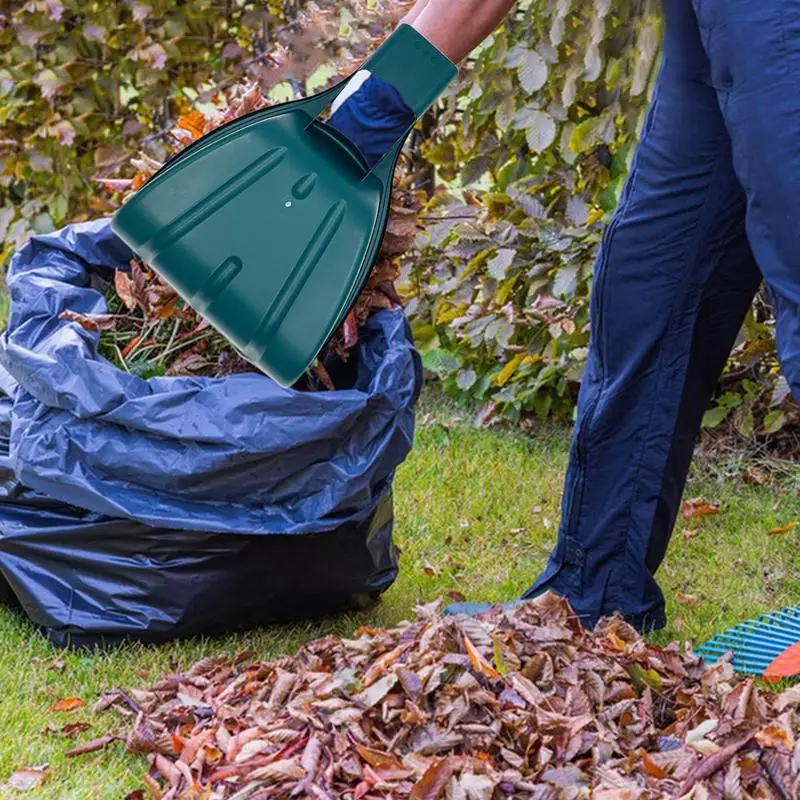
504	290
447	312
595	215
476	262
504	376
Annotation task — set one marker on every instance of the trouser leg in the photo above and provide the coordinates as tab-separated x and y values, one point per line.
672	285
753	50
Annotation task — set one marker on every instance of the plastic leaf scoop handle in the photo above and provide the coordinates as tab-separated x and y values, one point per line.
269	226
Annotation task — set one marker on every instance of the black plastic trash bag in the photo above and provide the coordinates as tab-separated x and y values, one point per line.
168	507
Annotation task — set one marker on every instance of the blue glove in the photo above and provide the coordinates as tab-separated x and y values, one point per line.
373	118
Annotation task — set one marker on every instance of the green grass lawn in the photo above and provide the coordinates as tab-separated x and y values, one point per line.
477	513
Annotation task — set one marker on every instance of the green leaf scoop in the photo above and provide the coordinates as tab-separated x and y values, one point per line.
269	226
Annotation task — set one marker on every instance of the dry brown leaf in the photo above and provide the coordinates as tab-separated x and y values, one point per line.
91	747
28	778
380	666
323	375
167	770
651	768
776	735
698	507
279	772
90	322
67	704
187	363
712	763
100	204
194	122
124	287
386	766
792	526
70	730
733	781
419	711
350	331
375	693
251	749
479	663
477	787
687	599
431	785
114	185
788	699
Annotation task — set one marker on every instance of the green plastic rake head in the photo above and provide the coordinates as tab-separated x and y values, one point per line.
269	226
766	646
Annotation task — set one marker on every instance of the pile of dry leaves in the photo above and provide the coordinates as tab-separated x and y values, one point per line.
521	703
151	331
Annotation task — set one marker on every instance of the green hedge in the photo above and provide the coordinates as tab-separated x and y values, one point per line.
525	158
539	134
84	84
533	147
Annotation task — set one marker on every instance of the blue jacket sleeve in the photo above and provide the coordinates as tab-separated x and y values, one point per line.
373	118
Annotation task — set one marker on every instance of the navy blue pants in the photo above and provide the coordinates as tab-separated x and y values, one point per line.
711	206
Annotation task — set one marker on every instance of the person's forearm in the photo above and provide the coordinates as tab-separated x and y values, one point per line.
456	27
413	15
371	113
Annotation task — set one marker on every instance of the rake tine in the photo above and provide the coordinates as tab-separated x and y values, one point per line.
788	639
755	648
757	642
742	662
789	620
746	639
776	623
750	656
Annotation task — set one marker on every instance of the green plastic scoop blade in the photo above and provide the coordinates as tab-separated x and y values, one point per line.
269	226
